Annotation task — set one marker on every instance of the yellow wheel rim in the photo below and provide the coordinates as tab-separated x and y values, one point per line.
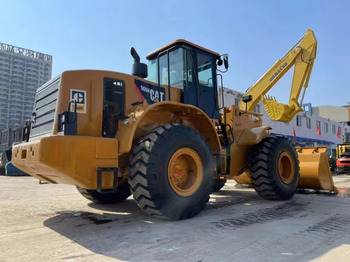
286	168
185	171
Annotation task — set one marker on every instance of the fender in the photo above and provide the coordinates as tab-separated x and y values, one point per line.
245	139
252	136
146	118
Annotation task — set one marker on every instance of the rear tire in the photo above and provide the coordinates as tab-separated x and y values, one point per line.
171	172
218	184
106	198
274	168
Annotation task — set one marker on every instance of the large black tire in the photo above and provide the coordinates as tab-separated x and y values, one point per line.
120	195
218	184
274	168
171	172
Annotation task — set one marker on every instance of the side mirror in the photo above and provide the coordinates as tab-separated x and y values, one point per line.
246	100
225	57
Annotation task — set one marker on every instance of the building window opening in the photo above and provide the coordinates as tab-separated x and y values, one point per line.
326	127
256	109
308	123
318	124
298	120
237	101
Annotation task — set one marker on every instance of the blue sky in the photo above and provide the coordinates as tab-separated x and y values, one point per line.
86	34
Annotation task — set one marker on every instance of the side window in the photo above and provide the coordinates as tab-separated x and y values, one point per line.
205	69
152	71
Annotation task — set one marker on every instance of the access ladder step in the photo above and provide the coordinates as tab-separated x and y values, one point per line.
101	170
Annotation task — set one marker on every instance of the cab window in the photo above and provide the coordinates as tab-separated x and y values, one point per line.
174	70
152	71
205	69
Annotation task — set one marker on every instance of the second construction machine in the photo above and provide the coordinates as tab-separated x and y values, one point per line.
343	156
159	134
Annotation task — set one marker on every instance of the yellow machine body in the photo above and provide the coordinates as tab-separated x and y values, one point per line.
68	159
75	159
342	148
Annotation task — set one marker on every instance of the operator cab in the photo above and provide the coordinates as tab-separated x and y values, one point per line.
191	68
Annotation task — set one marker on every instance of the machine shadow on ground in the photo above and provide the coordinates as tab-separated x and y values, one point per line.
110	230
107	232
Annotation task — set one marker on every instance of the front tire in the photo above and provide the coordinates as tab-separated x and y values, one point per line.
171	172
274	168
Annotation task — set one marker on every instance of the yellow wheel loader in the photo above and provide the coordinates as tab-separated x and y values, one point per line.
160	134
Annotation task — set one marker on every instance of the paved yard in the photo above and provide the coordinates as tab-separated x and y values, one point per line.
45	222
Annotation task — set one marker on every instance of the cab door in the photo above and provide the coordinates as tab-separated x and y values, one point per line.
201	87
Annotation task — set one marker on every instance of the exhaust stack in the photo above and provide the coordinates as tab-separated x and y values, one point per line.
138	69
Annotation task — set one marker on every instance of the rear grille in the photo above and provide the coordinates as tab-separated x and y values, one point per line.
45	108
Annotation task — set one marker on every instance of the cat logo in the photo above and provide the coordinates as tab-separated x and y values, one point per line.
80	97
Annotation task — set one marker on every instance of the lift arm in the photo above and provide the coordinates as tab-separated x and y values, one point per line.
302	55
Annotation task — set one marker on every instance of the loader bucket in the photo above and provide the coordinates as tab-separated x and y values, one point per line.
314	169
244	178
278	111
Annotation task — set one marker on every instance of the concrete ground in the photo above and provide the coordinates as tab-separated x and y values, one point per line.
46	222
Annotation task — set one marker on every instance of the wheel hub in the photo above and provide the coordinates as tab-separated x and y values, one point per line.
185	172
180	171
286	168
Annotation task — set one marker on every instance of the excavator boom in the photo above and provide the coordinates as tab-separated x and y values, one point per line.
302	56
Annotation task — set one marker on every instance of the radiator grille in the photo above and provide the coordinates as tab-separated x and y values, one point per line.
45	108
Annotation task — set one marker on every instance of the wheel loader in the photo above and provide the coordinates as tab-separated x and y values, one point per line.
161	134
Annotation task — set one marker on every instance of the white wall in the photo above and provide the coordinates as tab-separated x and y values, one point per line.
328	139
